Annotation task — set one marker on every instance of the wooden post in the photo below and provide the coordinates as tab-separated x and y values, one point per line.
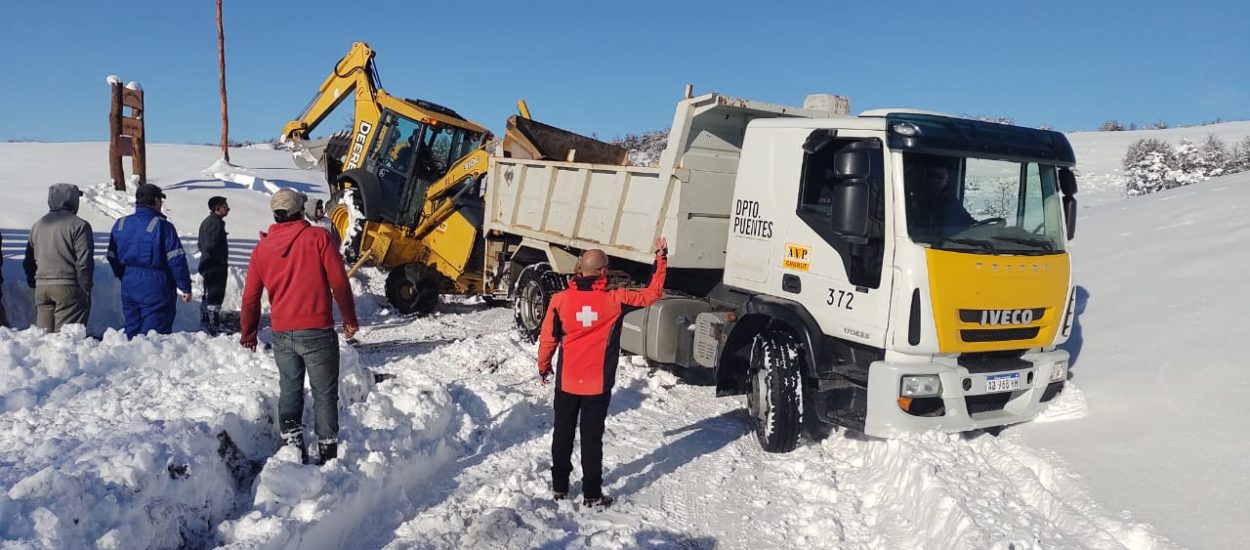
221	63
134	138
115	132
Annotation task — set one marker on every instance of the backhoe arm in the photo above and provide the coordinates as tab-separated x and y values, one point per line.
352	74
441	203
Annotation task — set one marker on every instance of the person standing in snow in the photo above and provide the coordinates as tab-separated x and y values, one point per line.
59	263
319	219
214	263
146	254
301	268
584	321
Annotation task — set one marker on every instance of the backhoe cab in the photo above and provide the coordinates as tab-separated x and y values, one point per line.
404	181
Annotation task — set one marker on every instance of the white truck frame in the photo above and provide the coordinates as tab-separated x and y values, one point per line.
817	300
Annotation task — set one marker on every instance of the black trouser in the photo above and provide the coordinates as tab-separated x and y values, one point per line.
214	284
593	410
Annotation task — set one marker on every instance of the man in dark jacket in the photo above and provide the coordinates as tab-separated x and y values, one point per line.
301	268
214	263
59	263
585	322
147	256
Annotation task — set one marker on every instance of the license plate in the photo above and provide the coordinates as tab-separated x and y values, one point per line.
996	383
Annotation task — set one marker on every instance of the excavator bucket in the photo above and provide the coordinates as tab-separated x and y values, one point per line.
307	153
526	138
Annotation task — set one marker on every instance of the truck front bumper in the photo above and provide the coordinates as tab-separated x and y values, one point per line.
966	402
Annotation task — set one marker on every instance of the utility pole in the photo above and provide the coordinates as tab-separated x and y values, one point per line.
221	63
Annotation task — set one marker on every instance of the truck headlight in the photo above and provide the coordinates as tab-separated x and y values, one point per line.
1059	371
922	385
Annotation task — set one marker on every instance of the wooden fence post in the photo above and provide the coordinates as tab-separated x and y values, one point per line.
115	132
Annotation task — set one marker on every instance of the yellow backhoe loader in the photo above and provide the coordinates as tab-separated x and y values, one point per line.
405	181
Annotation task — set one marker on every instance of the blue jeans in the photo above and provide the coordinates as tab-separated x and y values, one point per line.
317	352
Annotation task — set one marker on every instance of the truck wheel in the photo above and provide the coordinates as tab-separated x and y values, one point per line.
409	292
529	303
775	398
349	223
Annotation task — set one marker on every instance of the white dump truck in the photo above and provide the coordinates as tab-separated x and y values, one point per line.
894	271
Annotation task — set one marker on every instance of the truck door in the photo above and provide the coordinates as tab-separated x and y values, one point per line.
843	281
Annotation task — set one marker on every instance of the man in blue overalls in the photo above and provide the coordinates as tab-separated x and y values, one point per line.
146	255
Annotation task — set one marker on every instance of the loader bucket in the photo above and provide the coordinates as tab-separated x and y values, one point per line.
526	138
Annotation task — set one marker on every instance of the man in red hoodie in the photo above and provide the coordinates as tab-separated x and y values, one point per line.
300	267
585	322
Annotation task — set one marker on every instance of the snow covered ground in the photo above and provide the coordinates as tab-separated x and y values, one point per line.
169	441
1099	154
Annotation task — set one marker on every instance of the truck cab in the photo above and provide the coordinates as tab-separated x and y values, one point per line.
911	267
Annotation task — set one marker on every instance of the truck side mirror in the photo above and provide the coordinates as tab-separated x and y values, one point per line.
850	211
1067	181
1069	215
1067	184
852	164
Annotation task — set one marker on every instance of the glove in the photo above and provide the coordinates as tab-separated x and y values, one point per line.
543	375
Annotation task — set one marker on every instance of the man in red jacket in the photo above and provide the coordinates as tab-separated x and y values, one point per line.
300	267
585	321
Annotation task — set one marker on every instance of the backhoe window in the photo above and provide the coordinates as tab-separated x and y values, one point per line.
983	205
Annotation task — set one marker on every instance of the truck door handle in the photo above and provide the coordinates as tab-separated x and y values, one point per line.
791	283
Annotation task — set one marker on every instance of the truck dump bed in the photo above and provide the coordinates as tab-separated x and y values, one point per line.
622	209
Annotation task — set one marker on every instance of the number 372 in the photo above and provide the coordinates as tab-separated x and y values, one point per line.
840	298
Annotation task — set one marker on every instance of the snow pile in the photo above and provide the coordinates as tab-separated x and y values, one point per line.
395	439
138	444
108	200
106	305
227	172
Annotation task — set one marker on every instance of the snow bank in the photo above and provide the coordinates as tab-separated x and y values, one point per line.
106	305
147	443
390	442
227	172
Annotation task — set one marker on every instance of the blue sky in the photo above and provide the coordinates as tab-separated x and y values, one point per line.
615	67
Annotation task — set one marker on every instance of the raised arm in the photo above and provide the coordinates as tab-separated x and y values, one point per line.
655	289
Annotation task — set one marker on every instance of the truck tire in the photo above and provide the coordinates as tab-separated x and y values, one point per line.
409	291
775	396
529	301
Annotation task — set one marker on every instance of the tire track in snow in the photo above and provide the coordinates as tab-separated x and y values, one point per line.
689	473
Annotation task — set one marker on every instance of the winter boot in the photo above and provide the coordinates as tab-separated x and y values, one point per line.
296	439
327	450
210	319
599	502
214	320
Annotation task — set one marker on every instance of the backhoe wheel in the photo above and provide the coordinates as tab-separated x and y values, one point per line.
409	292
529	302
349	223
775	397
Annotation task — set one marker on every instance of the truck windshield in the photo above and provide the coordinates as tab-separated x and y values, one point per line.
982	205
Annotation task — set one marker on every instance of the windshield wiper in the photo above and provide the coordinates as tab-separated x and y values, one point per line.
980	243
1039	243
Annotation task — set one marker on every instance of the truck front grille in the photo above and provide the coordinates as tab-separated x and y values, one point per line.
998	335
987	403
